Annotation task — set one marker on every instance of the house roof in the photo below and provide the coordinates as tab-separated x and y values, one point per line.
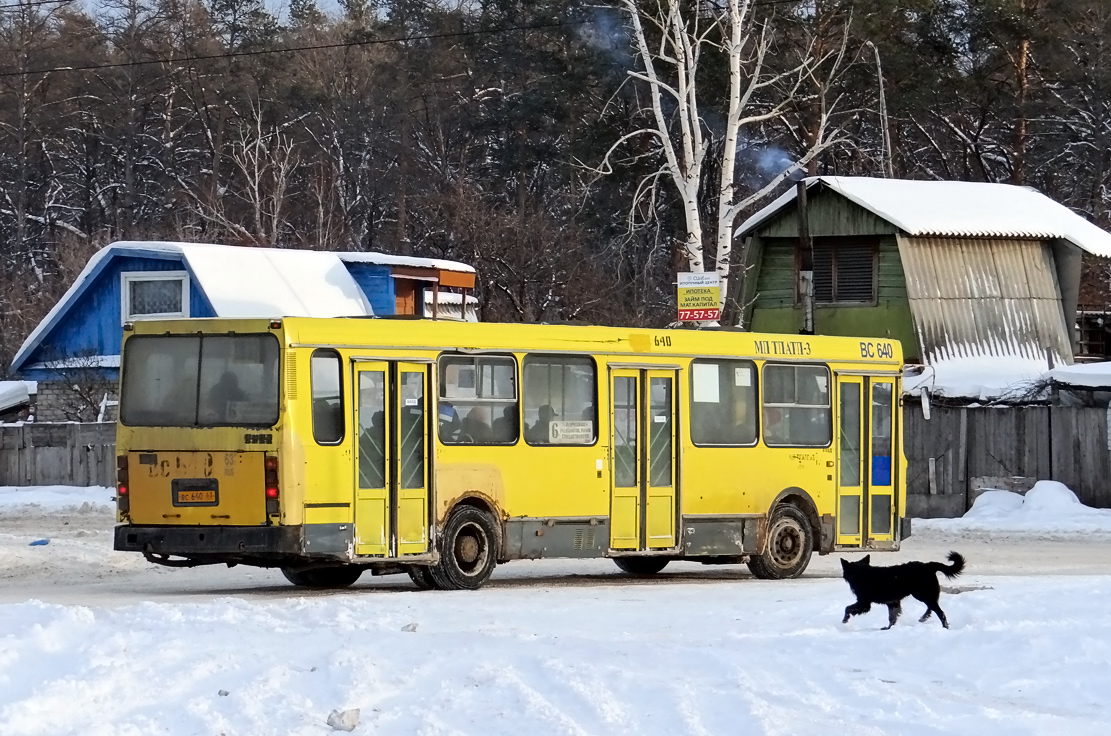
244	282
955	209
16	393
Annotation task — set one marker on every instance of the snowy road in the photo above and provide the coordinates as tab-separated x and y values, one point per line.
95	642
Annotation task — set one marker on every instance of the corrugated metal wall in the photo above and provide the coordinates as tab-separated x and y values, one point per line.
989	296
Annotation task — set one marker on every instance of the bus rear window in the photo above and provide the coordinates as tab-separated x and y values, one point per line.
200	381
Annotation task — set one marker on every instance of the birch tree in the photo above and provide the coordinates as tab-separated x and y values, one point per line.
674	40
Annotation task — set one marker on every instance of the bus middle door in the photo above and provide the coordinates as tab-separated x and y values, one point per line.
391	459
643	501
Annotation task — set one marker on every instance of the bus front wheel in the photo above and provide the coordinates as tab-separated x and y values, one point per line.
323	577
641	565
468	550
790	544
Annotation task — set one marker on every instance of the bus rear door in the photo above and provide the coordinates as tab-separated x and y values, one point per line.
392	508
867	462
643	501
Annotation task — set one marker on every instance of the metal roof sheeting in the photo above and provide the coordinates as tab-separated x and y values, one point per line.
956	209
981	297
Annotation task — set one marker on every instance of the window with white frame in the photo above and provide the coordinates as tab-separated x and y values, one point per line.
155	295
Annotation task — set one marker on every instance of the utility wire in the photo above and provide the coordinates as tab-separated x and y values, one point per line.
292	49
315	47
34	4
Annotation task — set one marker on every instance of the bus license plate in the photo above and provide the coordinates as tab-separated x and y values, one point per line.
196	496
195	491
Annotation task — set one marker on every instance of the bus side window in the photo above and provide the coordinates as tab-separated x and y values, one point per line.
559	400
327	397
797	410
478	400
723	403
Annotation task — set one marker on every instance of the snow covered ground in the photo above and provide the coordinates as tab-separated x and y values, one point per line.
98	642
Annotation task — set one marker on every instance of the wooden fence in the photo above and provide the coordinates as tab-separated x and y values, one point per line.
960	451
69	454
952	455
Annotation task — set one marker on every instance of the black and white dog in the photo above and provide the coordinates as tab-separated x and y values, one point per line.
890	585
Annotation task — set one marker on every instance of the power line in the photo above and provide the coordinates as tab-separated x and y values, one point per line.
316	47
34	4
292	49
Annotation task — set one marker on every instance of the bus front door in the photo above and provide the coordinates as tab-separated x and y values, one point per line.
643	500
866	461
391	459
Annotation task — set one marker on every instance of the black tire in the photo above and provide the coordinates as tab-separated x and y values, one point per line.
323	577
789	547
421	575
297	577
641	565
468	550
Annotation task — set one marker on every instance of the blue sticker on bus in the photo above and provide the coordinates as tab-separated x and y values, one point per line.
881	470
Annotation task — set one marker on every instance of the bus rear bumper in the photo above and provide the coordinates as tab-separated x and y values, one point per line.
252	545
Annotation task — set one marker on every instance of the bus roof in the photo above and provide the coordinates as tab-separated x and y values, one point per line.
468	337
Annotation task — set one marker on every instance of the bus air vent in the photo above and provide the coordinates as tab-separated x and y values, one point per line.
290	375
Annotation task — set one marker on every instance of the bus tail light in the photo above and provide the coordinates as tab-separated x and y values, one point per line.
270	465
123	501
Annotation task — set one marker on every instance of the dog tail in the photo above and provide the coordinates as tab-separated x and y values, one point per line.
952	570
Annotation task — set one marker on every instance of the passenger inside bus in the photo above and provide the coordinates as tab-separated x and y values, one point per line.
222	395
450	426
505	426
538	433
476	425
777	427
743	431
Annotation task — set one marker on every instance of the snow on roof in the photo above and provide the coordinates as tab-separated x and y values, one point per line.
280	283
381	259
956	209
243	282
16	393
1082	375
984	378
80	361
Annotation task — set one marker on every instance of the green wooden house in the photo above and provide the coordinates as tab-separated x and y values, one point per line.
950	269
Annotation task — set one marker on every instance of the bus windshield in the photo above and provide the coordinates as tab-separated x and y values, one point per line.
200	381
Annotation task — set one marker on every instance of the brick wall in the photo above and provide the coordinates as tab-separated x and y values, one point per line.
59	401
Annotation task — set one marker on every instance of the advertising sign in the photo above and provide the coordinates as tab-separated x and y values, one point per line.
699	297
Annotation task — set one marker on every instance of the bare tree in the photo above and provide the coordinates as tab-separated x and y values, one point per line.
83	386
672	37
266	160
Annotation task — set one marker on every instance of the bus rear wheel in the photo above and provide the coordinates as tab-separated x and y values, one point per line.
641	565
323	577
468	550
790	544
421	576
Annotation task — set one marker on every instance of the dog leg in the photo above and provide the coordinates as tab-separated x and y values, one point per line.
856	609
941	615
893	611
926	616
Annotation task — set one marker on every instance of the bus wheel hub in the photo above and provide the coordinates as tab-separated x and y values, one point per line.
468	549
786	543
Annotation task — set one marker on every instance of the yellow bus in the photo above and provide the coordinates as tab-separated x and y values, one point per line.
328	447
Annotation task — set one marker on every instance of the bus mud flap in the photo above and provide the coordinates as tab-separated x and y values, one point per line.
167	562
